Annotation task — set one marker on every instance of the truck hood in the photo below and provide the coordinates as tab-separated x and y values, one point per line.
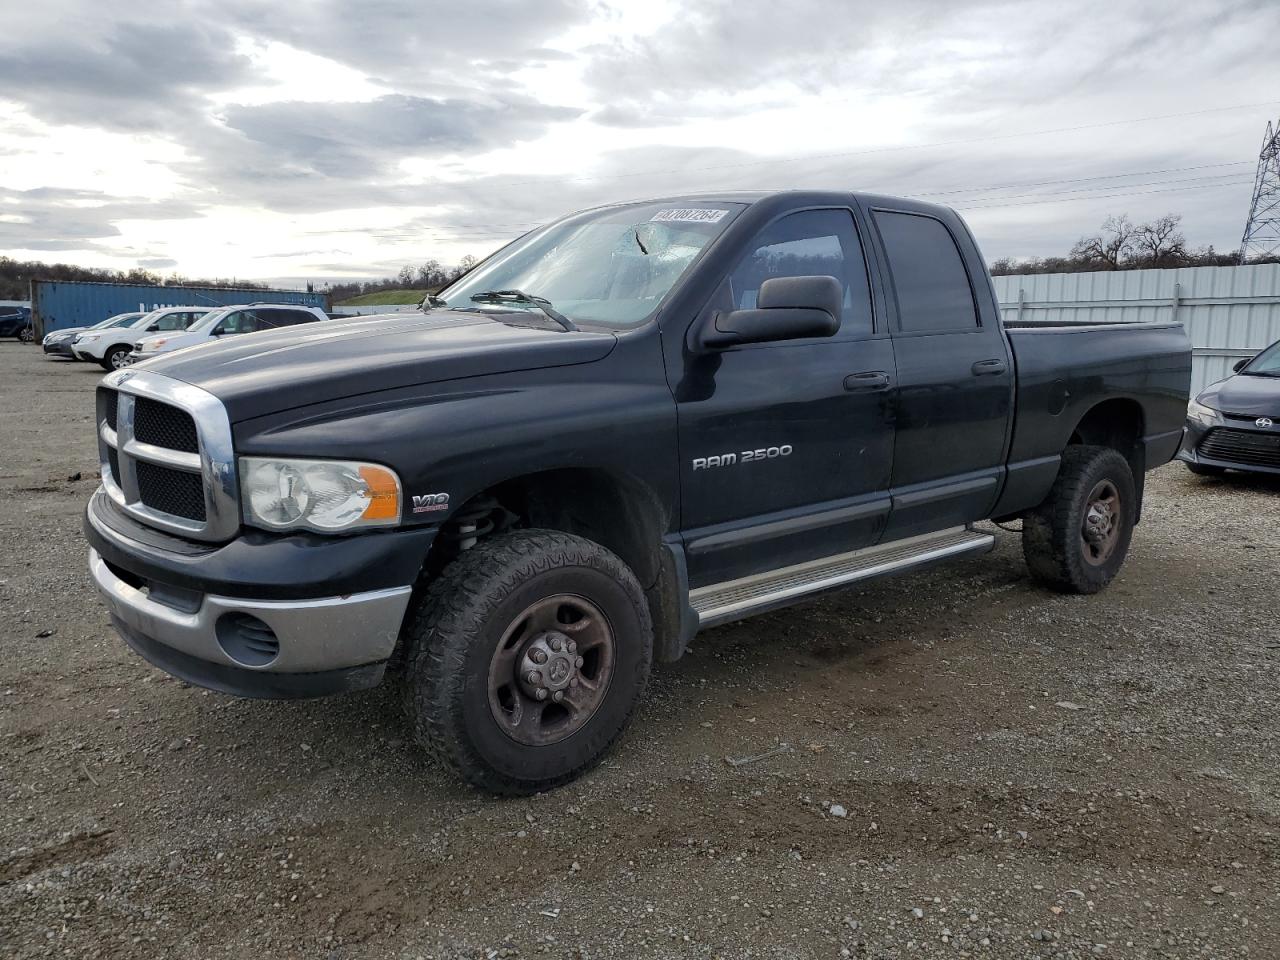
264	373
1243	394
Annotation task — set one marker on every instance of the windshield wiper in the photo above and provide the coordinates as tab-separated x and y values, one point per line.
519	296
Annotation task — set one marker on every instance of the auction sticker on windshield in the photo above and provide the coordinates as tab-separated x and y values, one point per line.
689	215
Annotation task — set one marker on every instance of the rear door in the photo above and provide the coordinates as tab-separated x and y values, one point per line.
786	447
955	376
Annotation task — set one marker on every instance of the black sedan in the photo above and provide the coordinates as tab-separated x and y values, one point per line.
1235	423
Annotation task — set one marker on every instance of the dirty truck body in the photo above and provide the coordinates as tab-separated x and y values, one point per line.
637	422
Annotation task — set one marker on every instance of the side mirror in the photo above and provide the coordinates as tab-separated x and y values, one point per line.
787	308
153	328
216	332
1241	364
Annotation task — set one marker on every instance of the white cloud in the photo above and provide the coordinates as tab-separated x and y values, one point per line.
241	138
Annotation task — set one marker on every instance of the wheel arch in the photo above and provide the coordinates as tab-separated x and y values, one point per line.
1118	423
621	512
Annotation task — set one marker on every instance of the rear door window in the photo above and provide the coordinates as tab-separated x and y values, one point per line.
929	276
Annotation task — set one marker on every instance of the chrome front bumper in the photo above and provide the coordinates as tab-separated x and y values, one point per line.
327	635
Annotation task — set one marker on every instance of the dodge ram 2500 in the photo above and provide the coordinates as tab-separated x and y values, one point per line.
630	425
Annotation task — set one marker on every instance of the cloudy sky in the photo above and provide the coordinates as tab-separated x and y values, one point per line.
326	140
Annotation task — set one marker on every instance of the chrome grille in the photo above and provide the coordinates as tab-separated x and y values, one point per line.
107	405
164	426
170	491
167	455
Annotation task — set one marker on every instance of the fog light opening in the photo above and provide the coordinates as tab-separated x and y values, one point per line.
246	639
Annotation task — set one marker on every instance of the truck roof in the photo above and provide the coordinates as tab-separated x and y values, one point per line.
751	197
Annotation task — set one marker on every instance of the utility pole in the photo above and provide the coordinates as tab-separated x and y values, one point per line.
1262	229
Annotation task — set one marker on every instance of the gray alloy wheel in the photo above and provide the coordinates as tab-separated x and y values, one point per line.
551	670
117	357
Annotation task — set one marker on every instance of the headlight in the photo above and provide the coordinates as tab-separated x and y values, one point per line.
88	339
1198	411
323	495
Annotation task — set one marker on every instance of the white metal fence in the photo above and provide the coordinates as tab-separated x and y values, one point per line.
1229	312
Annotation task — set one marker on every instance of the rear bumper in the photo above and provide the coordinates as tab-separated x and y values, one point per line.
1160	448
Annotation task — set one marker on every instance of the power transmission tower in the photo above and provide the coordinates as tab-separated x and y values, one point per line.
1262	229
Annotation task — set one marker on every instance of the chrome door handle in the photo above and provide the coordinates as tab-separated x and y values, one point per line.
866	382
989	367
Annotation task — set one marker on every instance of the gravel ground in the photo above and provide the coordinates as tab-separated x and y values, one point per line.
953	764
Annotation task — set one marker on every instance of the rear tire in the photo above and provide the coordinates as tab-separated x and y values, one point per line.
1077	539
1204	470
26	335
505	612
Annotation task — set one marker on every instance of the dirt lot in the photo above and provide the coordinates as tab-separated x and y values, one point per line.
972	767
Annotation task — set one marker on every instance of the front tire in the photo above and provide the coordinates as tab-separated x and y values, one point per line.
1077	539
26	335
115	358
526	658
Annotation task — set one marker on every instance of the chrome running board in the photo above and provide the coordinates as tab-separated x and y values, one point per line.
734	599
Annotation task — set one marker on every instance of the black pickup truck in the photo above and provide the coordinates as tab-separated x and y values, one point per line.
637	422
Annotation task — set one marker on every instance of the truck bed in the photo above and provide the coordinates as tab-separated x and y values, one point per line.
1140	370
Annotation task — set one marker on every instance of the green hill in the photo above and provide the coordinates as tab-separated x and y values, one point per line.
383	298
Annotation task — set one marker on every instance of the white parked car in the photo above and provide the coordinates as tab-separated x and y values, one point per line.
111	347
227	321
58	343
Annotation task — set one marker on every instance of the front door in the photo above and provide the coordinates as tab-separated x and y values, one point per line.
786	448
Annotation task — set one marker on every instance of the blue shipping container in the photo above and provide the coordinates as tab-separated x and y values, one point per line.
58	304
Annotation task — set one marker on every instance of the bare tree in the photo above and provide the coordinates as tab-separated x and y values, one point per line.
1108	249
1160	243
